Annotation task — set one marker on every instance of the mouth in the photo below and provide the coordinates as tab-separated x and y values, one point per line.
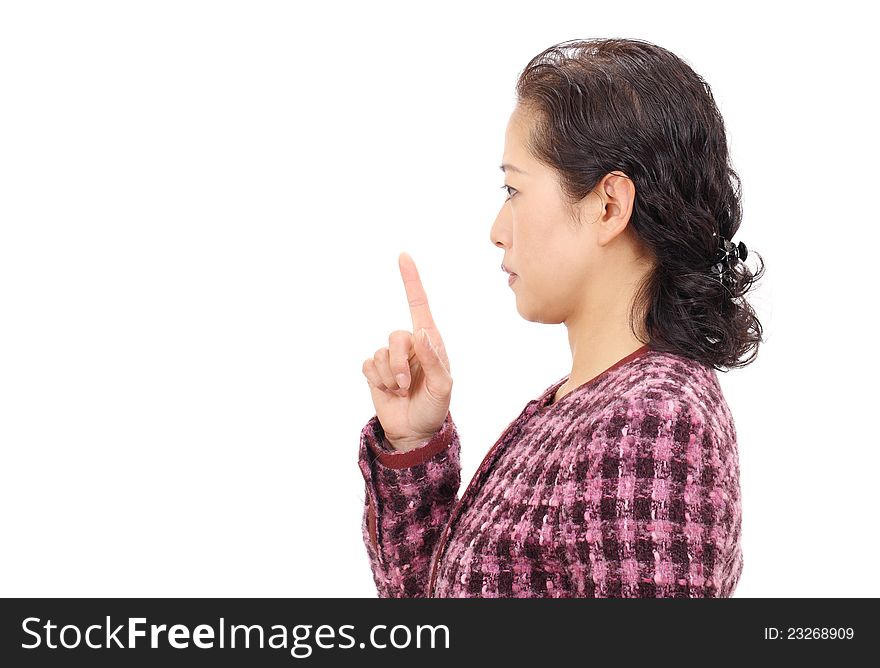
511	276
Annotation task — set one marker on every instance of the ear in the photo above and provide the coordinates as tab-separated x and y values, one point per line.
618	193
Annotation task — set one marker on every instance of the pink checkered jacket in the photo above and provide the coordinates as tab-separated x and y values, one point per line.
628	486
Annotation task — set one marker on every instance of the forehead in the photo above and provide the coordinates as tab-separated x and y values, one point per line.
517	126
515	137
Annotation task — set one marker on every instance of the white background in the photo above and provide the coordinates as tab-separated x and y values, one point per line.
201	209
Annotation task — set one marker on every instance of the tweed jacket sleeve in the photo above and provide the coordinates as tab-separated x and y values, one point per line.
409	497
654	504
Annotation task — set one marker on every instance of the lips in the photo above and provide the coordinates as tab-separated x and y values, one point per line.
506	270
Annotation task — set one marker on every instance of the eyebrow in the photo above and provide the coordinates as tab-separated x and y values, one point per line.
512	168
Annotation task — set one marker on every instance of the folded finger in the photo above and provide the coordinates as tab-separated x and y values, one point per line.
383	366
400	347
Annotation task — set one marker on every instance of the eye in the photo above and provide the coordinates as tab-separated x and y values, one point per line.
509	188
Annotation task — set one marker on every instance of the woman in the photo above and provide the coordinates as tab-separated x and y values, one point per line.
622	478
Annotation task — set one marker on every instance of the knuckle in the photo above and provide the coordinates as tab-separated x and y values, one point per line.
399	335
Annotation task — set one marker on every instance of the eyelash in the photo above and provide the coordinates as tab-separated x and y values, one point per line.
509	189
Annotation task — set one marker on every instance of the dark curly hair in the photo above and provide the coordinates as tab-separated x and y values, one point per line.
604	105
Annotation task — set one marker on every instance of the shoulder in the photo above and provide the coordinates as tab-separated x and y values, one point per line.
661	402
665	386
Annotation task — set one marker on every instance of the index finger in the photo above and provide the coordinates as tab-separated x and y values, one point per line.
415	295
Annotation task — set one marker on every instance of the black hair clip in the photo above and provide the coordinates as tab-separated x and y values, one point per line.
727	256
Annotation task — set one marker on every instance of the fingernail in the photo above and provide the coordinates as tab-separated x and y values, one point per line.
402	381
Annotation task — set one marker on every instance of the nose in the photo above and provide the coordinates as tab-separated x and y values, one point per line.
499	232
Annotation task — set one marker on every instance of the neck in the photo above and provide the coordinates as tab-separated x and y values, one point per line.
588	365
597	343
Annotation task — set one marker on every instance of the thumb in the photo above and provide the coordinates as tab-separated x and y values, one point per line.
428	355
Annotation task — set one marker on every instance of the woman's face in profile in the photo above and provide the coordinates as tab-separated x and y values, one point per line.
542	246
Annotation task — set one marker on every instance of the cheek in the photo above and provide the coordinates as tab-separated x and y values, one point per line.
532	228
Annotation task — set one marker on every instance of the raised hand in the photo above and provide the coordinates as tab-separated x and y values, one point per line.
410	380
